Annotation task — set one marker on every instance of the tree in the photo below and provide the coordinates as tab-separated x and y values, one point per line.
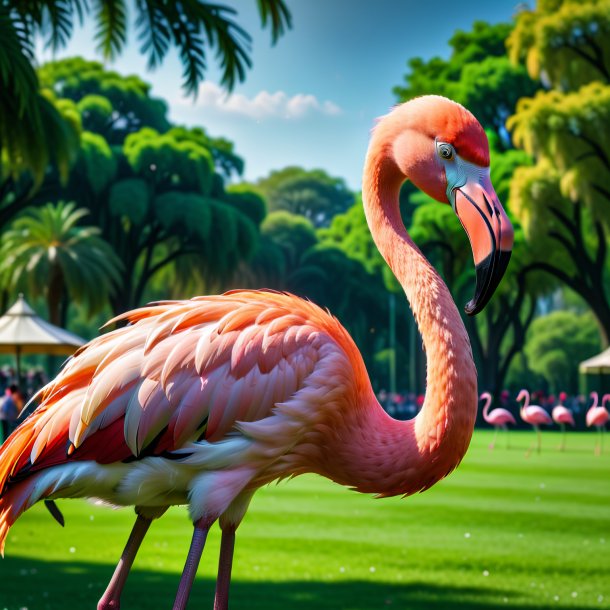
109	103
556	343
311	193
562	201
193	27
477	74
156	195
48	253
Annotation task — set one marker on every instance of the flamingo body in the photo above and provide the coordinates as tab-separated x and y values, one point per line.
598	415
498	418
535	416
201	402
562	415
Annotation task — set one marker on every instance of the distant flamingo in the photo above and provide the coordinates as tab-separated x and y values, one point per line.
498	418
201	402
533	415
598	416
562	415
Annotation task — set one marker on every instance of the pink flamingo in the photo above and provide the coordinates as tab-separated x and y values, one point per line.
533	415
201	402
563	416
598	416
498	418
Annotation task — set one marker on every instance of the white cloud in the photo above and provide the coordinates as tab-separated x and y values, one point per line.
264	104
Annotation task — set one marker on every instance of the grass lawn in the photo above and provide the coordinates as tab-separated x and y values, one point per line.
503	531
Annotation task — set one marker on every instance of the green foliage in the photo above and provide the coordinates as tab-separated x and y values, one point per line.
96	161
563	200
112	105
129	198
350	232
557	342
291	232
568	131
170	162
311	193
477	74
46	252
564	42
247	201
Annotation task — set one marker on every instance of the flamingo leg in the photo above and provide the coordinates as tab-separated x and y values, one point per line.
493	440
111	599
562	445
225	563
507	437
200	533
538	438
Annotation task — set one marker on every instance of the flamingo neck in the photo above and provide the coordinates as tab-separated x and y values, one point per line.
595	398
418	452
526	402
486	407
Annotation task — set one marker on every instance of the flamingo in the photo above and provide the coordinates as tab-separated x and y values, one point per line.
562	415
201	402
498	418
598	416
533	415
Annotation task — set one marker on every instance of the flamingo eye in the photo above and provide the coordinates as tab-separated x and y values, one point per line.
445	151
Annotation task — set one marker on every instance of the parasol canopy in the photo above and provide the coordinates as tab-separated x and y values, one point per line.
599	364
23	332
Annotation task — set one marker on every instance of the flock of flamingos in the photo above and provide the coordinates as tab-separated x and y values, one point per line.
536	416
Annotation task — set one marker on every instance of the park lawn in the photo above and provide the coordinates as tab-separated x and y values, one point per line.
503	531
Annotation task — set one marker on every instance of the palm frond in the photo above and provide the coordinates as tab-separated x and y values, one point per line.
111	27
275	12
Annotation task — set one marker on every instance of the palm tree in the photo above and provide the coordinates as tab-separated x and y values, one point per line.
192	26
45	252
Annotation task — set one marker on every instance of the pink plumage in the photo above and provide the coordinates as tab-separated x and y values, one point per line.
534	415
201	402
497	417
562	415
596	415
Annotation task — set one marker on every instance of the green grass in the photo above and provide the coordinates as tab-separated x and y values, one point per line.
503	531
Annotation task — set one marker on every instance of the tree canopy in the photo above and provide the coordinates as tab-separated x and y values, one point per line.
195	28
310	193
563	200
478	74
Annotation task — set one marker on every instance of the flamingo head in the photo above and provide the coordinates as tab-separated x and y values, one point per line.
605	399
562	397
485	396
442	148
595	398
523	395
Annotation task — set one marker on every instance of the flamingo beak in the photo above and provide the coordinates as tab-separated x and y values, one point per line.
490	233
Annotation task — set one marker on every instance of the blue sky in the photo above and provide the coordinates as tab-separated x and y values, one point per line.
311	99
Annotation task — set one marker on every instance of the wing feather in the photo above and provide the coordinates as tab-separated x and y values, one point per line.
179	370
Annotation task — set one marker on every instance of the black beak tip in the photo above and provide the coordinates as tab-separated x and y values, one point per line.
489	274
472	308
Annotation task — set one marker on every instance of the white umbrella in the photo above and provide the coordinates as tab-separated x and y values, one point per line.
599	364
23	332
